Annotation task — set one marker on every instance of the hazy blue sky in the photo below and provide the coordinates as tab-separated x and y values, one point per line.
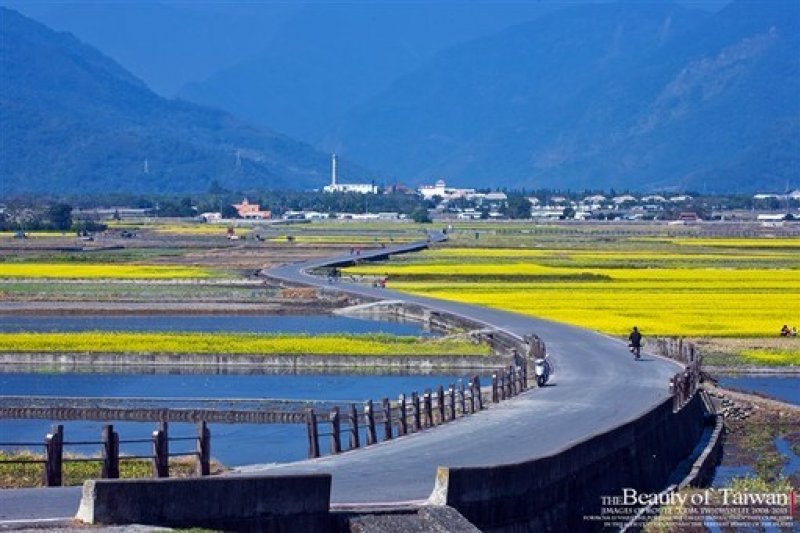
169	43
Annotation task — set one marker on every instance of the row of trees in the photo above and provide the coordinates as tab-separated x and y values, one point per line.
57	217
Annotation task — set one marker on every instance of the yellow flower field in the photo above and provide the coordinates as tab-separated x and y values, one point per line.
195	229
223	343
101	271
574	286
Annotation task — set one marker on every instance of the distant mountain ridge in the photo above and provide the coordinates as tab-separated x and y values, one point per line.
633	95
75	121
332	56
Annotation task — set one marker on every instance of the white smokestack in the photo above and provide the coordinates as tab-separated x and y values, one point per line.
333	169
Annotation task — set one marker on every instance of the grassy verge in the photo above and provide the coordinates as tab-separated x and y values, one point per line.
33	291
772	351
238	343
16	476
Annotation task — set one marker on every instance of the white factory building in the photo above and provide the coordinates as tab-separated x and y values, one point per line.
441	190
361	188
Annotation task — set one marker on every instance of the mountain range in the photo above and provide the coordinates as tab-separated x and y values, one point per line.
639	95
643	96
74	121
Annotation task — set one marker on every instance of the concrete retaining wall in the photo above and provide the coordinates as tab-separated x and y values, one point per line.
556	492
230	503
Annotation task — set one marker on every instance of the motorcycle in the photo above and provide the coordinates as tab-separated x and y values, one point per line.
541	369
636	351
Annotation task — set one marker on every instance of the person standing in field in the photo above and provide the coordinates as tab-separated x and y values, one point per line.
635	339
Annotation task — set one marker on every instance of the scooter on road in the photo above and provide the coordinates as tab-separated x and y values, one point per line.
542	370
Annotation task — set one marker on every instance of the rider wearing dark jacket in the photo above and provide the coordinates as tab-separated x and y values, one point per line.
635	339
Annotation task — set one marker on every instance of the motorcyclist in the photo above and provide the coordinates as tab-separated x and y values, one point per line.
635	342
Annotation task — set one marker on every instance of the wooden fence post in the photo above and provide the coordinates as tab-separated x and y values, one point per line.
336	428
471	389
673	390
495	389
203	465
109	453
369	415
417	415
355	438
501	385
461	400
387	419
313	434
402	421
478	393
451	399
440	403
427	403
161	450
54	456
512	381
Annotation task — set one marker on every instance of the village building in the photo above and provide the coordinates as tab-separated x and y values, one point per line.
251	211
441	190
680	198
623	199
653	198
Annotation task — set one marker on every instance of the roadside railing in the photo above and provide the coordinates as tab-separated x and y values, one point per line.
53	457
683	385
410	413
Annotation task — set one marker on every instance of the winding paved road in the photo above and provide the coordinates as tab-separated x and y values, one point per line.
596	386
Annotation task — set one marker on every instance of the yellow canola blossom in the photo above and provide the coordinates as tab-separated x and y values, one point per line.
101	271
687	301
739	243
223	343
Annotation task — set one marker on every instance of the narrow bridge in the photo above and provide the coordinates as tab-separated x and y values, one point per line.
597	387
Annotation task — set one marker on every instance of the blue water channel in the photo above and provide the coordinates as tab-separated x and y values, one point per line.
785	388
312	324
232	444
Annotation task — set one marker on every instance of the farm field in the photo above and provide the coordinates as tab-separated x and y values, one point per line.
239	343
698	288
668	280
102	271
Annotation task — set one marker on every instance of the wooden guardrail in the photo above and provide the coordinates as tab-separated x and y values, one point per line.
409	414
683	385
53	458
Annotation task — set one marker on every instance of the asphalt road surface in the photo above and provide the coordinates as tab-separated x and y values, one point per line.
596	386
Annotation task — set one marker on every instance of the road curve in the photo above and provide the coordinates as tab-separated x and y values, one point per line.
596	386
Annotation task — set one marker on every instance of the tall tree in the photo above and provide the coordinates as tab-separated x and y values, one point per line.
60	216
